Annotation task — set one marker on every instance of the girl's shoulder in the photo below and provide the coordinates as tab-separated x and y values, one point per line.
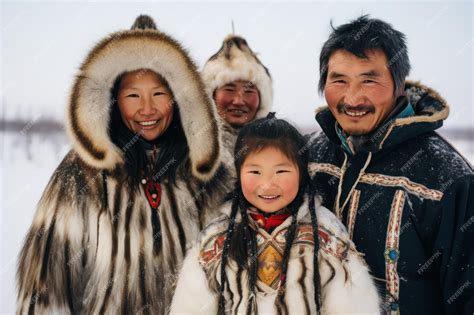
329	221
333	237
212	237
326	219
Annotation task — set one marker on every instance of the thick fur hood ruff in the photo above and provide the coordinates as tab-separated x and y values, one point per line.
140	48
236	61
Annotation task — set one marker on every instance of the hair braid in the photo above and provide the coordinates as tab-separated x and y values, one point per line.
316	275
250	241
225	253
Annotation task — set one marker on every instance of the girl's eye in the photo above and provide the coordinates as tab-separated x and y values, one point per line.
132	95
158	93
254	172
282	171
250	91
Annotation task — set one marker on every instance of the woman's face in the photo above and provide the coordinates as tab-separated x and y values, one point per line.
145	103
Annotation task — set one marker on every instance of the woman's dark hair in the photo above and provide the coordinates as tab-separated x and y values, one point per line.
240	240
364	34
172	145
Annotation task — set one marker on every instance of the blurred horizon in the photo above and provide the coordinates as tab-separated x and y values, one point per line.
44	43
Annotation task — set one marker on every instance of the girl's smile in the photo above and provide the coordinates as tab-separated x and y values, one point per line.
270	180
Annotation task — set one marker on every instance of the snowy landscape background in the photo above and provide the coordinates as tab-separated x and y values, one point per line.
43	44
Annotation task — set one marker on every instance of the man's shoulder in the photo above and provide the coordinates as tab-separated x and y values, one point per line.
434	151
428	160
318	145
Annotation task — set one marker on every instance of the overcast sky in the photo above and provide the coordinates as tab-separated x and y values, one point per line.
43	45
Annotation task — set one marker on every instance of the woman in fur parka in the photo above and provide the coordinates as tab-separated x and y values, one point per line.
115	220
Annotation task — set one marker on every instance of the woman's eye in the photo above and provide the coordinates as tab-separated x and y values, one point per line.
368	81
339	81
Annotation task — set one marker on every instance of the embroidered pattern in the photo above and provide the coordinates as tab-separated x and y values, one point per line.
383	180
212	247
351	216
398	181
392	252
330	169
269	265
211	250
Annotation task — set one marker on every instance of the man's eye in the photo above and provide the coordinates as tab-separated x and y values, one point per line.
368	81
339	81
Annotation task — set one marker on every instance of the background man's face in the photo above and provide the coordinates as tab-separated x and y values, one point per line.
237	102
359	92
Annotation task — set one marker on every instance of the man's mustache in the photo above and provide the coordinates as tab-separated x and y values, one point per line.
343	107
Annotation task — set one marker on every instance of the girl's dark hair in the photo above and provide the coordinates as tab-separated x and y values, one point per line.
240	240
172	145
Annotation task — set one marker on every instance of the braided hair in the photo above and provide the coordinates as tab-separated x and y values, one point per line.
240	242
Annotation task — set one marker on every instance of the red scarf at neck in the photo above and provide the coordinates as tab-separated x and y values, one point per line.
270	222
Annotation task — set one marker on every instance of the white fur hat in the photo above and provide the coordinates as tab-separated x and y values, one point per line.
236	61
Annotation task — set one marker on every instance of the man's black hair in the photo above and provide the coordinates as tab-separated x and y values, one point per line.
362	35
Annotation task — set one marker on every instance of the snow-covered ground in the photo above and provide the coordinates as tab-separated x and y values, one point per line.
27	162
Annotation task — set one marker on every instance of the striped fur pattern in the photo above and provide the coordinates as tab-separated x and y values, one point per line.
347	286
91	247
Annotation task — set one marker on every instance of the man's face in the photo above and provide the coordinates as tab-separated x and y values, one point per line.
237	102
359	92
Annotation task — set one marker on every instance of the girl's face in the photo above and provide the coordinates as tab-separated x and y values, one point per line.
145	103
269	180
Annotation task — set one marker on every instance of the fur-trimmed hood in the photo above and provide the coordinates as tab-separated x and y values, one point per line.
430	112
142	47
236	61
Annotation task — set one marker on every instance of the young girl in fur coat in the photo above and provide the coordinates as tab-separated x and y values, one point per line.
261	255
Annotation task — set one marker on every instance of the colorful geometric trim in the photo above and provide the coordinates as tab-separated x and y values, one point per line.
382	180
211	250
212	247
351	216
392	252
